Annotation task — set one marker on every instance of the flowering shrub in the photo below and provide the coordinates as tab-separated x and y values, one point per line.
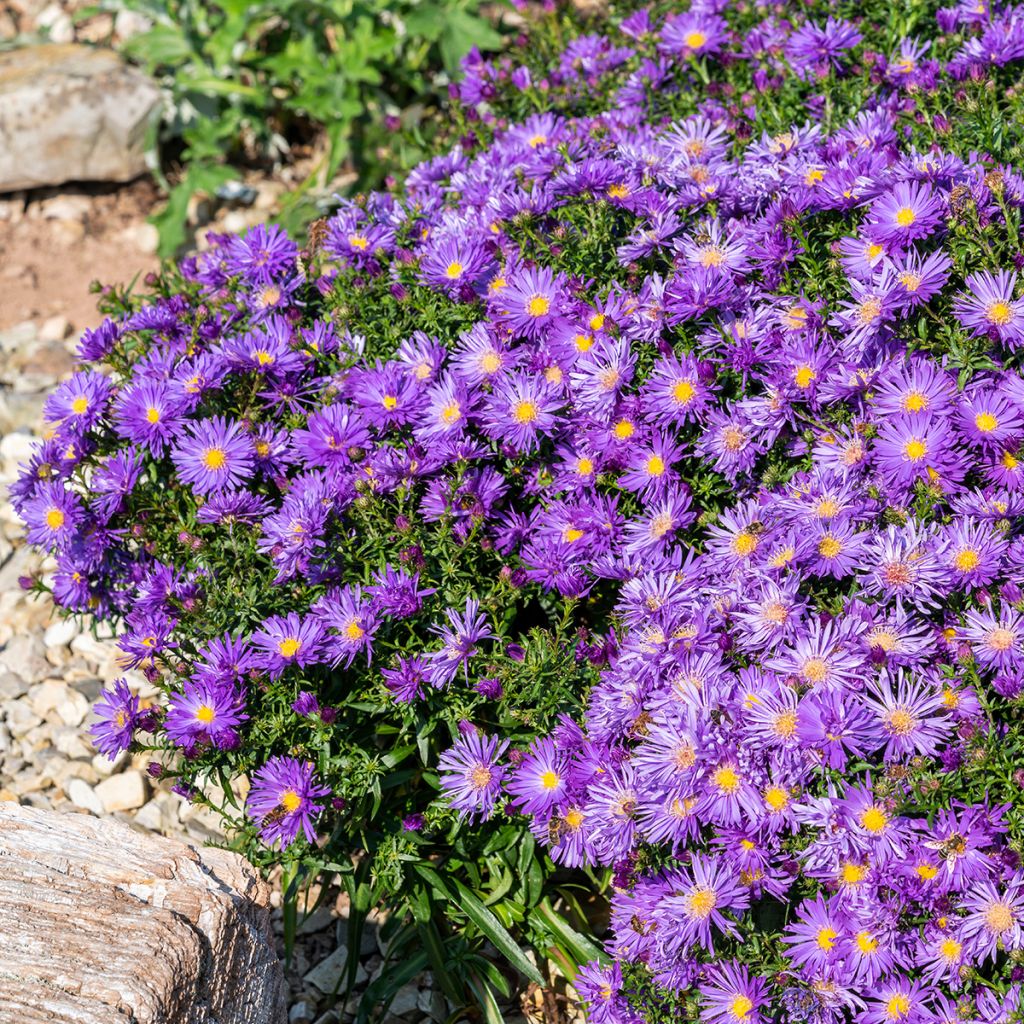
634	500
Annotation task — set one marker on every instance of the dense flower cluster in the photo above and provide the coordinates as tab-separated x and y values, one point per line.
766	445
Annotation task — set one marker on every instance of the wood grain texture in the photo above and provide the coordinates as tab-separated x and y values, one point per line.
100	924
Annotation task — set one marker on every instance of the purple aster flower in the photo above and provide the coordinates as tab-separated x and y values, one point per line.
730	994
149	414
995	917
471	777
306	704
459	638
912	719
213	455
353	621
529	301
540	780
261	254
283	800
79	403
990	309
521	410
53	516
117	712
909	213
285	640
206	712
406	682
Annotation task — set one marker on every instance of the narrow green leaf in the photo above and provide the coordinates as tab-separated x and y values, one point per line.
485	920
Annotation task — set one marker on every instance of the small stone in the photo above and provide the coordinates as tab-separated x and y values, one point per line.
57	22
63	207
124	792
146	238
104	767
406	1000
12	686
320	919
326	976
300	1013
57	328
70	741
60	633
25	656
81	794
20	719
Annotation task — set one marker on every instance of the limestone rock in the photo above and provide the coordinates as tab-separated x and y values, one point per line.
71	113
103	925
124	792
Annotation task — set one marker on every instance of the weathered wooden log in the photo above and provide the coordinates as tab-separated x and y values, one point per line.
101	924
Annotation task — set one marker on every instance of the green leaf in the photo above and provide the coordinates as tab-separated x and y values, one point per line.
463	31
161	46
581	948
170	221
495	931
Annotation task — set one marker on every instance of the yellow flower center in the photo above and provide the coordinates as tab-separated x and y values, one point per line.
875	250
623	430
205	714
702	902
900	722
684	392
776	798
999	917
353	631
655	465
553	375
926	872
950	949
572	533
910	281
866	943
389	402
549	780
263	358
695	40
966	560
55	519
80	405
829	546
291	801
617	191
898	1006
915	449
733	438
214	458
726	779
870	310
480	777
585	467
359	242
785	724
451	413
153	414
537	140
815	670
804	375
525	412
289	647
490	362
574	818
852	874
905	216
744	544
538	305
986	422
740	1007
826	938
999	313
1000	639
454	270
874	819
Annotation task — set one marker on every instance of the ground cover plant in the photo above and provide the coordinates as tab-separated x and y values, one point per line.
629	504
246	83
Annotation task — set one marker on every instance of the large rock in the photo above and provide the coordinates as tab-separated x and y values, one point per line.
71	113
102	924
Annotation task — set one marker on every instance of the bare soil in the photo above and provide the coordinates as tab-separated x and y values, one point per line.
55	242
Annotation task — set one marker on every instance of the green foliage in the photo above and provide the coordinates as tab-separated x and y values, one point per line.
245	82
